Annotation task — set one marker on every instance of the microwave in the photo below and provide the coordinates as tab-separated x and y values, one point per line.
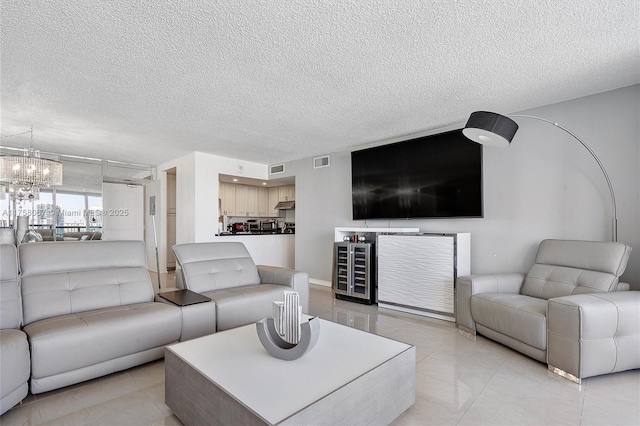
269	226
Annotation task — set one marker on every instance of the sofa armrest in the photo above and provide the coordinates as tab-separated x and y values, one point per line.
197	320
469	285
297	280
594	333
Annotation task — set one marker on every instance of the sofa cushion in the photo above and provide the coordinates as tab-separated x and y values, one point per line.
216	266
240	306
71	277
69	342
565	267
520	317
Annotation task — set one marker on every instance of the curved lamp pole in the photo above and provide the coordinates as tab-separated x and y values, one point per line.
495	130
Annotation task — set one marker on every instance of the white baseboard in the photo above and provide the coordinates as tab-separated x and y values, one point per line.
320	282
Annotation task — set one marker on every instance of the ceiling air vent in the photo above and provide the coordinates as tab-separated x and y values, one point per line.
278	168
320	162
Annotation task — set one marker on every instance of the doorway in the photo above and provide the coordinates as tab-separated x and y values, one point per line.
123	211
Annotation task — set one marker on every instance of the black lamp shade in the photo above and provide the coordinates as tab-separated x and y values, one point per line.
491	129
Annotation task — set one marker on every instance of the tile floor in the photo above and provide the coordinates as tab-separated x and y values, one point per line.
459	381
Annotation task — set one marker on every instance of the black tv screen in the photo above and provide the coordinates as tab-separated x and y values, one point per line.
436	176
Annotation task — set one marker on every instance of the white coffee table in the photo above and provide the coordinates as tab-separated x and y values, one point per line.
350	377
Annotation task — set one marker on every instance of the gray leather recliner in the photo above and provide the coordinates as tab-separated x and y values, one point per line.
15	366
243	292
513	308
89	310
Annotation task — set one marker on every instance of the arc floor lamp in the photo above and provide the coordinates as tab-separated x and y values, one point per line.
496	130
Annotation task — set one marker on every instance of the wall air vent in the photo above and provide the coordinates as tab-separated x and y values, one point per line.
278	168
320	162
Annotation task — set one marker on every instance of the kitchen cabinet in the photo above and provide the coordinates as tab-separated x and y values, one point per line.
286	193
273	200
241	200
246	200
228	199
251	201
263	202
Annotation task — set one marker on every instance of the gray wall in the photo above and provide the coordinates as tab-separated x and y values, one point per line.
546	185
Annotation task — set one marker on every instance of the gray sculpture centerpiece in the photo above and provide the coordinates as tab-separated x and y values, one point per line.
285	336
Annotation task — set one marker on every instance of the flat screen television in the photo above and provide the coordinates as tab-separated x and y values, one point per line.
436	176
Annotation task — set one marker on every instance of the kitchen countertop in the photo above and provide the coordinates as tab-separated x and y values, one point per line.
242	234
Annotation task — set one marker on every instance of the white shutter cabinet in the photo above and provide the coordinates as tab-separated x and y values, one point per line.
417	273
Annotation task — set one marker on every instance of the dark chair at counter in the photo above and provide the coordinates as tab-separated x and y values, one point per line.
243	292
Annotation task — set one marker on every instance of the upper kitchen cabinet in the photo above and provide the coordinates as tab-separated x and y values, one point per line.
252	201
264	210
246	200
241	200
273	200
228	199
287	193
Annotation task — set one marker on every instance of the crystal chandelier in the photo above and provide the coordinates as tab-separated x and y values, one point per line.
19	193
29	170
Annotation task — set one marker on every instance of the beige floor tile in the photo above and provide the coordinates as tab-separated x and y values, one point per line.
129	409
437	403
156	394
171	420
470	370
148	374
25	414
528	411
91	395
613	409
459	380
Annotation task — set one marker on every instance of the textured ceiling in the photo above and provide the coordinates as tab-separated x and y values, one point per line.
276	80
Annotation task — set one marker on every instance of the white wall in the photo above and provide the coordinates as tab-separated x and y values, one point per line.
546	185
207	170
197	176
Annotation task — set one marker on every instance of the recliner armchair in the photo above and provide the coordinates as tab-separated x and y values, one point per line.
243	292
513	308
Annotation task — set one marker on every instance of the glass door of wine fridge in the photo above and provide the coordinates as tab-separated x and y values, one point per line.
353	272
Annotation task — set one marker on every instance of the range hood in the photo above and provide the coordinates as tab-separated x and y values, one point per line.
286	205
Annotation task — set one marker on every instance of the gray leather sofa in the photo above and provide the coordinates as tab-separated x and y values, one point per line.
14	348
243	292
539	313
89	310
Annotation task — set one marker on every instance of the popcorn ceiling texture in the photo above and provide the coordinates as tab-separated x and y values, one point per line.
276	80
